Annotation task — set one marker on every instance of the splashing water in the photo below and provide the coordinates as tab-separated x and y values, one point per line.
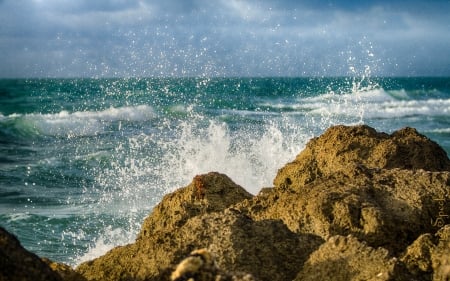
92	175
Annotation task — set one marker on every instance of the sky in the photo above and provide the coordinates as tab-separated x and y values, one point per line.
143	38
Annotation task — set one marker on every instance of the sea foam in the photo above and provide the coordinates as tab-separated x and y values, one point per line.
80	123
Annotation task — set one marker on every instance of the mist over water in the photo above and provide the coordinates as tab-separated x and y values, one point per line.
84	161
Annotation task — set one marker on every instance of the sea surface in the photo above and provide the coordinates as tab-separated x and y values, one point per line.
84	161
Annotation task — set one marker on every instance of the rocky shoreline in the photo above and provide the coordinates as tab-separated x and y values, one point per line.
355	204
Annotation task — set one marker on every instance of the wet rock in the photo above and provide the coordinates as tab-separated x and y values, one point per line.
346	258
16	263
388	208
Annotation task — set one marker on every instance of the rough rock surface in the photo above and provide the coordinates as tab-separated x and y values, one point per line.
238	242
353	180
440	255
429	256
208	193
345	258
16	263
342	149
201	265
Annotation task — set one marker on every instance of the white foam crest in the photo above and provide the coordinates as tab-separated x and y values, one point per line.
372	96
127	113
18	217
439	131
86	123
396	109
375	103
319	103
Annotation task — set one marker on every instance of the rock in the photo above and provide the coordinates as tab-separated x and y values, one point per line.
238	242
346	258
344	149
155	250
200	265
388	208
418	256
16	263
353	180
207	193
429	256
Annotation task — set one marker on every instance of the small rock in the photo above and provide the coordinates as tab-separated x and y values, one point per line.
212	192
200	266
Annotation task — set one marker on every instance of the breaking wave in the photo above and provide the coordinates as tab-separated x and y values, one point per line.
75	124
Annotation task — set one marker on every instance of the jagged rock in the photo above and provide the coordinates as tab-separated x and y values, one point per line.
239	243
348	182
345	149
207	193
388	208
348	259
16	263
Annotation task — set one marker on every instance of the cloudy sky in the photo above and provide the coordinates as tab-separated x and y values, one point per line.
109	38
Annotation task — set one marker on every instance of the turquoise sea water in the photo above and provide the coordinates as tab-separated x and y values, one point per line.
83	161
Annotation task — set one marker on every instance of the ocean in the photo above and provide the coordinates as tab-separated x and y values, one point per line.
84	161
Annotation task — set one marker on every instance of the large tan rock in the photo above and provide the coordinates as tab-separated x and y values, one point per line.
379	188
388	208
239	243
154	249
342	149
265	249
